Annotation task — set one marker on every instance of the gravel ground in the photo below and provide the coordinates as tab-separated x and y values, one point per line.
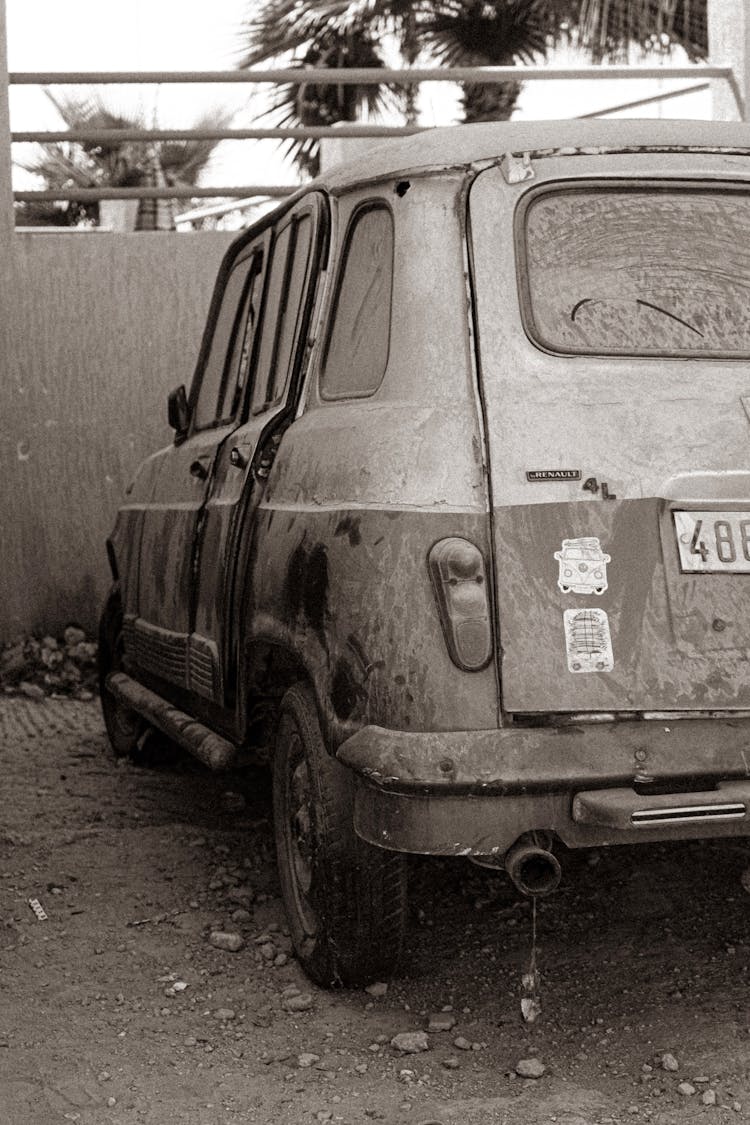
117	1007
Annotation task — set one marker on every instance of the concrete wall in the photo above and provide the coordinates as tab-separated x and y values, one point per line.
729	45
98	329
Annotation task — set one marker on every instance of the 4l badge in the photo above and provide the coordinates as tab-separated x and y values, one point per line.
583	566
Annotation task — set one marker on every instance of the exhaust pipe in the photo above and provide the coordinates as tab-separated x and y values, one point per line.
534	870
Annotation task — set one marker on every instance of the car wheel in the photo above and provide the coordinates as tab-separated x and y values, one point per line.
125	728
345	899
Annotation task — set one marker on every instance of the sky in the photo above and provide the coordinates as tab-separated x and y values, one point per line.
47	35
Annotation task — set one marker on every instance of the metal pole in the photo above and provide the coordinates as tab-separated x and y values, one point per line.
647	101
90	195
356	76
6	184
107	136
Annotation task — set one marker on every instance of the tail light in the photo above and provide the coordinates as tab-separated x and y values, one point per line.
460	581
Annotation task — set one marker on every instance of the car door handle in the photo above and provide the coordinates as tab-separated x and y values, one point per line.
237	458
199	469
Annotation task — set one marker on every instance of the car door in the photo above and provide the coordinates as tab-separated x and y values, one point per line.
158	636
276	350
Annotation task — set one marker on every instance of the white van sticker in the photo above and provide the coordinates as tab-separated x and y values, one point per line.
583	566
588	641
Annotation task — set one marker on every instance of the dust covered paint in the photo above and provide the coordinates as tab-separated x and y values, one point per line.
374	647
669	653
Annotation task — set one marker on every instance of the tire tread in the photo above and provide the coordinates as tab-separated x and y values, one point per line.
361	889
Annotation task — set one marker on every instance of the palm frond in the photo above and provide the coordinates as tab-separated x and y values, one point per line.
482	34
55	164
284	26
311	104
184	161
90	111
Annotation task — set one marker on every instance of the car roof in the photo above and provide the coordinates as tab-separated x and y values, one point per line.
461	145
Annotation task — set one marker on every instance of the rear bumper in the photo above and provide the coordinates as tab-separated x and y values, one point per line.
476	792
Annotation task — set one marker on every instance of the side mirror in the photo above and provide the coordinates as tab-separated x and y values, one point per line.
177	411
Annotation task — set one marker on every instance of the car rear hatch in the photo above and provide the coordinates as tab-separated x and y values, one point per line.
613	333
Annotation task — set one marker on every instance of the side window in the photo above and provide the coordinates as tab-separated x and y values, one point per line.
241	354
356	352
284	299
216	394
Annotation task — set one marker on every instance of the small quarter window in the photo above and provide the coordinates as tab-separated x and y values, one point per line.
213	388
356	353
285	303
291	312
274	304
238	365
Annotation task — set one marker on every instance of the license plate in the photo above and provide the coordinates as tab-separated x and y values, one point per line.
713	541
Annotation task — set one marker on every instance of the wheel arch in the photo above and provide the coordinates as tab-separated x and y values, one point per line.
275	661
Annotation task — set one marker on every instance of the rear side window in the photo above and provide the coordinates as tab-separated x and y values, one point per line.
238	365
653	270
214	394
356	353
274	306
292	310
285	306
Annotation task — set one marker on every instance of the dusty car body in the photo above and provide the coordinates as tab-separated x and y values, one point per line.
457	516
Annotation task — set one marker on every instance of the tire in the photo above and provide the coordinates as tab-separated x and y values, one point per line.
345	899
125	728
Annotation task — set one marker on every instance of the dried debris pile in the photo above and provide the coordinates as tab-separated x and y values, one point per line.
50	666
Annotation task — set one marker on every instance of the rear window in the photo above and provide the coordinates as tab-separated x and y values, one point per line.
644	271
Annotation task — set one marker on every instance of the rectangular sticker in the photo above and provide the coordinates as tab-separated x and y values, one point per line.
588	641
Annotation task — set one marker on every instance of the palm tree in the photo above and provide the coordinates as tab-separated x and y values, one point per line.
451	32
91	164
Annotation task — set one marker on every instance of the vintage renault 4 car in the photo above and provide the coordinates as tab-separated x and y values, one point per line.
456	520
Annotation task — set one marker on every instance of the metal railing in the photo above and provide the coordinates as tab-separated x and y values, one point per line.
368	76
494	75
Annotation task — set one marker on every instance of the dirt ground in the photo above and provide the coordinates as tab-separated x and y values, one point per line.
117	1009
